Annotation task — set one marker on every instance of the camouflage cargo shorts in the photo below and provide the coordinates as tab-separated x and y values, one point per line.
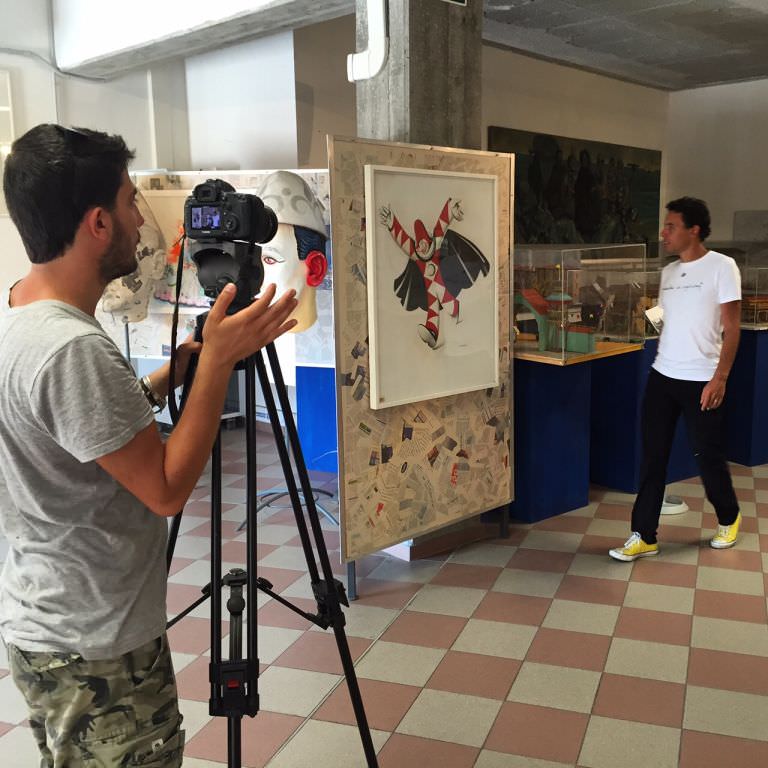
114	713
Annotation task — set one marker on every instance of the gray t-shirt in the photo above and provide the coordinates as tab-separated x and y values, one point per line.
85	571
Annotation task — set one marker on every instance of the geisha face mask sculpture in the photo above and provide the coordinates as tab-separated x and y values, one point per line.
295	257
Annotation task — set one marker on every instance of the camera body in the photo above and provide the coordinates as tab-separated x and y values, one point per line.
224	227
215	211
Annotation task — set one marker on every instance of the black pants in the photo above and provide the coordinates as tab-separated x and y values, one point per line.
665	399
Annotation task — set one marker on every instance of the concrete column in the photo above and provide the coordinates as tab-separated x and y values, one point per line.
429	90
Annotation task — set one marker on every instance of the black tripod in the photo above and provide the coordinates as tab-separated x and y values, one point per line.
234	690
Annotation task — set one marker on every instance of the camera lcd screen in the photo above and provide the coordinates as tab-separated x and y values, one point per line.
206	217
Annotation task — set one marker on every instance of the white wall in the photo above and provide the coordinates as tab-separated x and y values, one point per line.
24	26
122	106
86	30
716	149
325	99
242	105
534	95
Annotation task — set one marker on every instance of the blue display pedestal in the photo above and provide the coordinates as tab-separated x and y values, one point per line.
552	406
746	401
316	417
618	384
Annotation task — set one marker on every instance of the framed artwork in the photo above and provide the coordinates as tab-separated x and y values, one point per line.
432	278
577	191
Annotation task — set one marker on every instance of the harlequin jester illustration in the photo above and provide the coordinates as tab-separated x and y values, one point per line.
438	268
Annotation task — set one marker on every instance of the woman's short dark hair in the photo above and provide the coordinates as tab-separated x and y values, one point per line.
693	211
53	176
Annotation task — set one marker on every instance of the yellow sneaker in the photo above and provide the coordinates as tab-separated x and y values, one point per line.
726	534
633	548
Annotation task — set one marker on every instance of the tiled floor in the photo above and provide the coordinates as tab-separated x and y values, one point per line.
533	652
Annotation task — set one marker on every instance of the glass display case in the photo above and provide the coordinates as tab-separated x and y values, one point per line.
575	303
752	260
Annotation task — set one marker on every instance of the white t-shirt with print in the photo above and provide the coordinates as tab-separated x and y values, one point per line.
691	294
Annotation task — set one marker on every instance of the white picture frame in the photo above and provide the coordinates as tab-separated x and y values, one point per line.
420	349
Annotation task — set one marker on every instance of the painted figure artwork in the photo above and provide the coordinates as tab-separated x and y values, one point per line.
439	266
431	284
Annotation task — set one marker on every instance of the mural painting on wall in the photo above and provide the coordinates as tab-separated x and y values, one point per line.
432	300
576	191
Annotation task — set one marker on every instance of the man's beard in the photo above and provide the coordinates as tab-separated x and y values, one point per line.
120	257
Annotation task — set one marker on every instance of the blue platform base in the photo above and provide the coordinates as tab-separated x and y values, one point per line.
618	384
746	401
316	417
552	405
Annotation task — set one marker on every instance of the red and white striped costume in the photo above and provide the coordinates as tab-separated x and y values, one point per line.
438	296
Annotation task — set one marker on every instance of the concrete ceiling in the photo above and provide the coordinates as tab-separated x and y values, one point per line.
669	44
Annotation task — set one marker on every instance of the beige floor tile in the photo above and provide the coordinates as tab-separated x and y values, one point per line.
483	554
761	496
451	717
367	621
599	567
495	638
689	519
743	481
638	658
574	616
615	529
617	497
726	635
743	715
730	580
686	489
760	471
588	511
449	601
272	642
748	508
302	587
762	525
294	691
291	558
418	571
618	743
194	762
400	663
13	709
656	597
274	533
321	743
181	660
681	554
488	759
556	541
18	749
749	542
196	716
560	687
534	583
765	562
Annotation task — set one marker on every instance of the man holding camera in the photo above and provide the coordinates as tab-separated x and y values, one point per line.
85	480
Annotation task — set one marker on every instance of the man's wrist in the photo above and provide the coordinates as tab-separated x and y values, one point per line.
157	401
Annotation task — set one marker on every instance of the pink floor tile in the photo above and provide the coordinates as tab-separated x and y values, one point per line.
427	629
401	751
385	704
475	674
262	736
318	652
522	729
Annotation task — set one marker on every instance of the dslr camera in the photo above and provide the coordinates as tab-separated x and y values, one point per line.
225	226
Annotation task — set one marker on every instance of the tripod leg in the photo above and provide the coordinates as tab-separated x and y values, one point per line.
328	591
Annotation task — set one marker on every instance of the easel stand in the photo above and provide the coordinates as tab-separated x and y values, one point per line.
234	682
